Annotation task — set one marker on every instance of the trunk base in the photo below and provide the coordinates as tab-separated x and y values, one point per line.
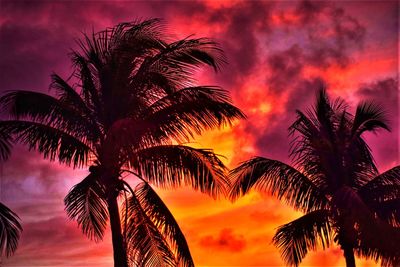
349	256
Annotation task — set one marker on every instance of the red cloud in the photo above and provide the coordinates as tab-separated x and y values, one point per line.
226	240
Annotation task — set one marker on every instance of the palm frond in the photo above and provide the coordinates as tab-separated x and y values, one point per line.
5	145
51	142
296	238
389	210
176	165
172	66
163	219
390	262
10	231
146	246
86	204
382	195
179	59
376	239
189	111
325	149
383	187
389	177
360	164
188	53
369	117
311	151
135	38
89	82
280	180
324	113
68	95
176	117
48	110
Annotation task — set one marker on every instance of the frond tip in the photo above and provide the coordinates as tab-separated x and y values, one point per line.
163	219
296	238
146	246
278	178
176	165
85	203
10	231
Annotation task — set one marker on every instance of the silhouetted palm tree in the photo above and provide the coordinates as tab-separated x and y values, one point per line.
335	182
132	104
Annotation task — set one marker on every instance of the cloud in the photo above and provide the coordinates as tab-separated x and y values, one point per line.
226	240
331	33
317	36
28	174
285	67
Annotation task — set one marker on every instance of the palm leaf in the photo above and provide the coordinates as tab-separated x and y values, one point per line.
135	38
172	66
375	238
382	195
281	180
176	165
390	177
389	210
68	95
296	238
48	110
369	117
190	111
163	219
378	240
146	246
10	230
51	142
86	204
189	53
89	81
5	145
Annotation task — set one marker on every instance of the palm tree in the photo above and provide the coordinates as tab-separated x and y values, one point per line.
132	104
335	182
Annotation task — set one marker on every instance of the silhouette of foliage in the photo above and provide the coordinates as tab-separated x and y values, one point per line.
335	182
131	103
10	231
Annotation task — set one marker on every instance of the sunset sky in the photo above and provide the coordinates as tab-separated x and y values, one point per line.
279	54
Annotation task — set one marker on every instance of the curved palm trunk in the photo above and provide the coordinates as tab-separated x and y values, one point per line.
120	258
349	256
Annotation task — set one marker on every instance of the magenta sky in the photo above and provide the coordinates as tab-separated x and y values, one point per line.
279	53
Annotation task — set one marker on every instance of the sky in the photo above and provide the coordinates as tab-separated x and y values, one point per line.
279	54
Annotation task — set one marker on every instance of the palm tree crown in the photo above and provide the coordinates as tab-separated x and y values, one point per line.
335	182
134	101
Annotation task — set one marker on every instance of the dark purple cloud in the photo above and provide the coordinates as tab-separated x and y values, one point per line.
274	141
326	37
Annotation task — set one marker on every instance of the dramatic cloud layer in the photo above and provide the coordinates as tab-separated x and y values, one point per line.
279	54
